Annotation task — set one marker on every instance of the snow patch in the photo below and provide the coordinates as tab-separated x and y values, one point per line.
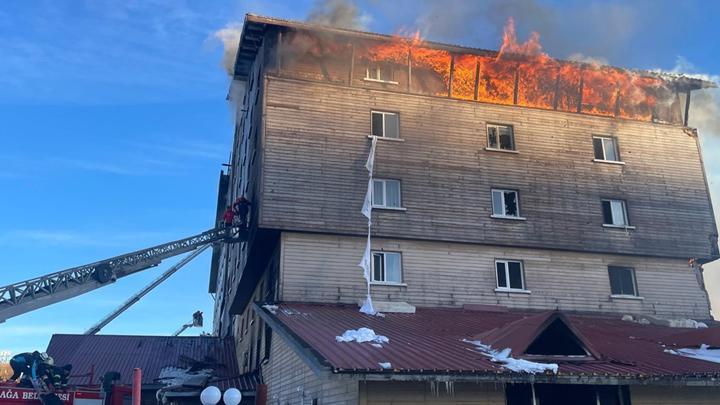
378	345
271	308
362	335
386	366
517	365
672	323
703	353
686	323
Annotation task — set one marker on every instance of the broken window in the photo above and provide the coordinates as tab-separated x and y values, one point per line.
505	203
386	193
615	213
385	124
556	340
386	267
509	275
622	281
606	148
379	73
500	137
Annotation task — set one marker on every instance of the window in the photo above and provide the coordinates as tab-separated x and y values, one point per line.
509	275
615	213
386	193
505	204
500	137
385	124
379	73
386	267
605	148
622	281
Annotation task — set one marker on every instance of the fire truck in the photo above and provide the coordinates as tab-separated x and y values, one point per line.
11	394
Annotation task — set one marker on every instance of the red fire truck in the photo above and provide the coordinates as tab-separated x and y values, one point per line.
10	394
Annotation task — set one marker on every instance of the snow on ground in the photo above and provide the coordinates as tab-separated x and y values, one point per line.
703	353
517	365
362	335
386	366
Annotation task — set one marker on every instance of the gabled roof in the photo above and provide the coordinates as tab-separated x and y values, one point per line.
520	334
93	355
434	342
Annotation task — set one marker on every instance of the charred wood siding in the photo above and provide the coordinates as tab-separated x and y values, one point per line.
323	268
316	144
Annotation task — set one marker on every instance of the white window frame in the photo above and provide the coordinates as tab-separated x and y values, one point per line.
615	145
636	291
384	205
377	77
504	215
507	276
499	149
384	113
384	271
613	204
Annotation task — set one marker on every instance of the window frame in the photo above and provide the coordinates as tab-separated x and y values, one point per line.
385	206
499	149
507	288
616	146
633	276
377	68
517	217
626	215
384	270
384	113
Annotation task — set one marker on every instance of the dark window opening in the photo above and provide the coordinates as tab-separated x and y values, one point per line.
557	340
622	280
560	394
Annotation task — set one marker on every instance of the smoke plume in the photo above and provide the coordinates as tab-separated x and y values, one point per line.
338	13
230	38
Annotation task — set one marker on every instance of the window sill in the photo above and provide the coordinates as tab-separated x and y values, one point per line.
385	138
626	227
388	284
610	162
508	217
376	207
502	150
512	290
367	79
626	297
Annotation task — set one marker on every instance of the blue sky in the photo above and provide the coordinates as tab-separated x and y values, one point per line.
114	125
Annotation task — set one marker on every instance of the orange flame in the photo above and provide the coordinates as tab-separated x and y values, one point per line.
518	74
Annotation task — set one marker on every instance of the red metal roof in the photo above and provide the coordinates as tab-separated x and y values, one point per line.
431	341
98	354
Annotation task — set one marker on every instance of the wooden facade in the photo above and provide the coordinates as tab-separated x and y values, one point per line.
301	142
323	268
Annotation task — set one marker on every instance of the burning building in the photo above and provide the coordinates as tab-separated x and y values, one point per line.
532	231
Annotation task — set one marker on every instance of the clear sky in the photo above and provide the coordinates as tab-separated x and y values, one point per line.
114	125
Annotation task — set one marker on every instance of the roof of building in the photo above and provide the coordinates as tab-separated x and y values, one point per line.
254	29
93	355
435	341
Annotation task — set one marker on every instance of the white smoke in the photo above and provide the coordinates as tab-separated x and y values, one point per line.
230	38
592	60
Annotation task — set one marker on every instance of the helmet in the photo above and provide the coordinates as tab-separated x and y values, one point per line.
44	356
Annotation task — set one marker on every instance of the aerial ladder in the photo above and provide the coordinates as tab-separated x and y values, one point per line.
25	296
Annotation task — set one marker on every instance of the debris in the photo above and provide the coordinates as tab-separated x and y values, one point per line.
703	353
176	376
517	365
386	366
362	335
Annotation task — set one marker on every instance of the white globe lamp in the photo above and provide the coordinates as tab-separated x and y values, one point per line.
232	396
210	395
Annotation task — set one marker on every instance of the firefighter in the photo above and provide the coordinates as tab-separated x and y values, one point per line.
228	217
22	363
242	209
